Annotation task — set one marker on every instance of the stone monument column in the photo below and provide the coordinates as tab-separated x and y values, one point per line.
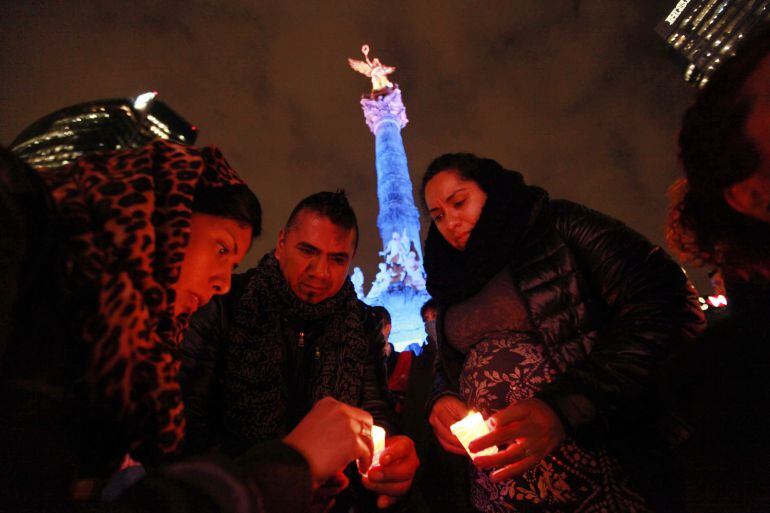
386	116
399	284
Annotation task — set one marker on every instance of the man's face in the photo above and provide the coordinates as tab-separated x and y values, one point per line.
314	255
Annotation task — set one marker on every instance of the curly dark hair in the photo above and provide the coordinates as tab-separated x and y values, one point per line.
715	153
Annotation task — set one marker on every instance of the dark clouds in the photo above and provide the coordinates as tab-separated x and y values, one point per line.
578	95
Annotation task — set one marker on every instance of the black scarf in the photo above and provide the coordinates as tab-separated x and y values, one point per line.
256	394
510	212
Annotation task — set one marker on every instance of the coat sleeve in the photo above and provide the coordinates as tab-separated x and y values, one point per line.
446	371
376	398
271	477
200	354
650	312
446	367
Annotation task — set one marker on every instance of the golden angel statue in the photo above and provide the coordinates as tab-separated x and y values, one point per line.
374	69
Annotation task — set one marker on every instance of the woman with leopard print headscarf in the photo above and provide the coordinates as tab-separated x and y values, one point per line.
101	264
124	246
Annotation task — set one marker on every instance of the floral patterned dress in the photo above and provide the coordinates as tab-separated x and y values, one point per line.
505	363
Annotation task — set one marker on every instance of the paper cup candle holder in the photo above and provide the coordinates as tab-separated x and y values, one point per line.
470	428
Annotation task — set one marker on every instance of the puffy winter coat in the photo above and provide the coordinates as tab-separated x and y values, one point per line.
613	303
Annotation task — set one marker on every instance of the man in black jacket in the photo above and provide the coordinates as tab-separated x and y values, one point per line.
290	332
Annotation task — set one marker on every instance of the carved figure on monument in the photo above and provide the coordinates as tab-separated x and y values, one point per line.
414	274
406	245
381	281
373	69
393	252
357	278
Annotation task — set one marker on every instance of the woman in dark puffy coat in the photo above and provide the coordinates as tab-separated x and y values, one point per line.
552	318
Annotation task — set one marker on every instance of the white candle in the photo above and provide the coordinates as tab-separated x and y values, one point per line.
378	437
470	428
378	440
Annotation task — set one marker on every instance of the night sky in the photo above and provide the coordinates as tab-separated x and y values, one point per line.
580	96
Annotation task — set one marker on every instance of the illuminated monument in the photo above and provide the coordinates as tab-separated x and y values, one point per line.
399	284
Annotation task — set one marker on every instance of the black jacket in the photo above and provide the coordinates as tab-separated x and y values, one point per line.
204	353
721	383
617	304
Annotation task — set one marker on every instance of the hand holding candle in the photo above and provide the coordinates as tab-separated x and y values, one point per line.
446	411
391	475
530	429
330	437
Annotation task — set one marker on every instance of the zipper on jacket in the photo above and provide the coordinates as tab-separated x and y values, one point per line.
299	357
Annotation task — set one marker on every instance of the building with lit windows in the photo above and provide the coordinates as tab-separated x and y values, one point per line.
62	136
703	33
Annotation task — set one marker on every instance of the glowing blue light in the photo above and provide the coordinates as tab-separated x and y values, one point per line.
399	284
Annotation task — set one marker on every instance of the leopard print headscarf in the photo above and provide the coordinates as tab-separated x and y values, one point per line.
125	217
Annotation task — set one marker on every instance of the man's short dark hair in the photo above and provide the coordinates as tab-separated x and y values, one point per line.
332	205
382	313
428	305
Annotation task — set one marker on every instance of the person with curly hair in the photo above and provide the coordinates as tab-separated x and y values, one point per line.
720	217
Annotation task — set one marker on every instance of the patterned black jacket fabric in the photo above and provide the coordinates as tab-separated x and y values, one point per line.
614	302
283	377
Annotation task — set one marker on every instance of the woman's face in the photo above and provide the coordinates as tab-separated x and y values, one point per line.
454	205
217	245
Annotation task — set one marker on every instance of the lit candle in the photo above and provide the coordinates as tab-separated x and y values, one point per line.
378	440
470	428
378	437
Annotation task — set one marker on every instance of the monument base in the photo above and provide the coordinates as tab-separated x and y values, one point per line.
403	303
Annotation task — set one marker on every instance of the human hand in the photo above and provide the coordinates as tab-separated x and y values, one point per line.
325	495
392	477
332	435
445	412
532	431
